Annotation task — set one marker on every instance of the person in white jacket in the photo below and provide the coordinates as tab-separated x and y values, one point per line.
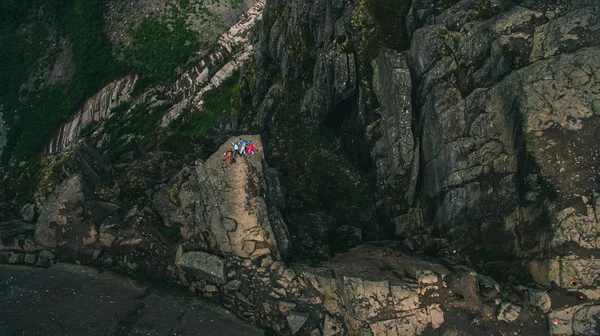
236	147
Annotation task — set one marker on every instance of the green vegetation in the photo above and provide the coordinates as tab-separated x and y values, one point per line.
7	239
442	5
170	232
137	130
20	186
134	130
34	116
236	3
159	47
31	32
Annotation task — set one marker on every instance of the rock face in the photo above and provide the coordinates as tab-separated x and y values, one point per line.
71	214
500	119
61	219
3	132
234	45
392	136
508	312
29	213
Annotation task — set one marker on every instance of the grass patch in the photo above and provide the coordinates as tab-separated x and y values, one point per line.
135	130
159	48
170	232
163	45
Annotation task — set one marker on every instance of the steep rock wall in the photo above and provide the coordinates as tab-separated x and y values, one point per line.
497	99
312	73
506	111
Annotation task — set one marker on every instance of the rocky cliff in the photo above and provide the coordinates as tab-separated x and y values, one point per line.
424	167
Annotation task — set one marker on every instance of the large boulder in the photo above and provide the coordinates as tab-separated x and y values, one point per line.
224	205
203	265
66	217
69	211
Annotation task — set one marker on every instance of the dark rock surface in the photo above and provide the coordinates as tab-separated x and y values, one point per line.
73	300
474	143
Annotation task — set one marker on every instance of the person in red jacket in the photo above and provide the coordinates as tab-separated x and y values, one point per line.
228	155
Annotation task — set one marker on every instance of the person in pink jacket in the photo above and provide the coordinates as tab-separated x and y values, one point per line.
250	149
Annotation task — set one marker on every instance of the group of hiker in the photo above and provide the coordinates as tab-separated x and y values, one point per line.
242	148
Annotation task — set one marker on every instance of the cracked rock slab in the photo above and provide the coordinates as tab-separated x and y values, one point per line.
296	320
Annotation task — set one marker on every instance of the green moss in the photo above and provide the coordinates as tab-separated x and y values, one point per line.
236	3
483	10
54	173
20	186
442	5
7	239
170	231
176	188
218	104
220	99
136	130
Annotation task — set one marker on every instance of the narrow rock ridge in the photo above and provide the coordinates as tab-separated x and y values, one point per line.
221	204
233	44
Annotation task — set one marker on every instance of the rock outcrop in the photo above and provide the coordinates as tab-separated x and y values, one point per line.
69	210
392	137
222	205
233	46
506	115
